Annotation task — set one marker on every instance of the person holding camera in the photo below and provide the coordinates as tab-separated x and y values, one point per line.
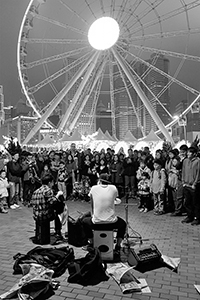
30	178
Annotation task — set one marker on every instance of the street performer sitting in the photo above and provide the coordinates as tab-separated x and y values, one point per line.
103	199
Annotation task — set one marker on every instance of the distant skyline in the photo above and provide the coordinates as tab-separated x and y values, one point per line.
11	14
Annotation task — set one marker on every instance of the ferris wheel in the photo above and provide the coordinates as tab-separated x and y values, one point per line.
132	57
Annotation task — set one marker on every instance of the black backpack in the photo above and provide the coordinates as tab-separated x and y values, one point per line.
76	234
55	259
88	270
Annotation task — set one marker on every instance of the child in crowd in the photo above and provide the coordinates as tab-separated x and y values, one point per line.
142	168
174	181
4	185
62	179
144	192
158	187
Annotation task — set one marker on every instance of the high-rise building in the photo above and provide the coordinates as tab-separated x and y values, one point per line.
153	85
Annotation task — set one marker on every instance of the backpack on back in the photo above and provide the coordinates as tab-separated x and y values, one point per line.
88	270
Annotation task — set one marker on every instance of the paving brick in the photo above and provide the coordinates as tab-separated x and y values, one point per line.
84	297
183	242
69	294
96	294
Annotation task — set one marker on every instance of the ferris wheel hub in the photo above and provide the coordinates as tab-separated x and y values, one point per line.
103	33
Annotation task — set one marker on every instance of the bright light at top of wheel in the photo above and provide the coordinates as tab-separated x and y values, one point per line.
103	33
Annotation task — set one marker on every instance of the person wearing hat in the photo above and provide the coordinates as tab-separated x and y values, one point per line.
103	199
191	186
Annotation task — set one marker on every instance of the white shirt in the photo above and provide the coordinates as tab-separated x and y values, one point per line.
103	196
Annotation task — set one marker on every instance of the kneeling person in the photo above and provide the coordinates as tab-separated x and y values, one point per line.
44	203
103	199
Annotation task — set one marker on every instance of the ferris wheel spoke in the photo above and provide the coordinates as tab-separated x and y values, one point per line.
96	94
112	101
55	57
47	73
73	11
143	14
58	98
155	97
54	41
102	7
166	52
121	10
57	74
166	16
112	8
130	99
89	91
60	24
192	90
90	9
91	65
130	14
142	96
165	35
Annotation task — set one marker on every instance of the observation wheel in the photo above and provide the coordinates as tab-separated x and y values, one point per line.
128	60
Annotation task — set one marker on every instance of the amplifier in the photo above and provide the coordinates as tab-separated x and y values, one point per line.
143	256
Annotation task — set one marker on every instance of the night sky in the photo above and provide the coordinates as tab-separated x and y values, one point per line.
11	14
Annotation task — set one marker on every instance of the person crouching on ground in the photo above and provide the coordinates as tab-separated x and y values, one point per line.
103	199
158	187
44	204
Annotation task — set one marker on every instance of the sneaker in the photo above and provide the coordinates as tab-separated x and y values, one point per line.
195	222
4	211
187	220
16	205
141	210
87	247
13	206
159	213
145	210
176	214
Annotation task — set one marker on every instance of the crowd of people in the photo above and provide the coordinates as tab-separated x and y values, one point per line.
168	182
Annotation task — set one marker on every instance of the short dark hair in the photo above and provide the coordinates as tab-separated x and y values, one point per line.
193	150
104	177
183	148
46	179
158	161
2	170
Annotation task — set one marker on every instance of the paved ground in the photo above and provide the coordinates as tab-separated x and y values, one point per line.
171	237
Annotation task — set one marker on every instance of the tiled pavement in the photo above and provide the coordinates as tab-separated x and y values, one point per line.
171	237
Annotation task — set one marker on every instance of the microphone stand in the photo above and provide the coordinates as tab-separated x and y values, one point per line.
134	234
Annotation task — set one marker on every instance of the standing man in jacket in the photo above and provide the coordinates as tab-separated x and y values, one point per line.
191	186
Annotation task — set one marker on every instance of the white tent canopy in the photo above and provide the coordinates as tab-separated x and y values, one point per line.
151	137
129	137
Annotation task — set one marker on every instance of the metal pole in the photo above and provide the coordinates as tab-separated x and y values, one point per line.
143	97
57	100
